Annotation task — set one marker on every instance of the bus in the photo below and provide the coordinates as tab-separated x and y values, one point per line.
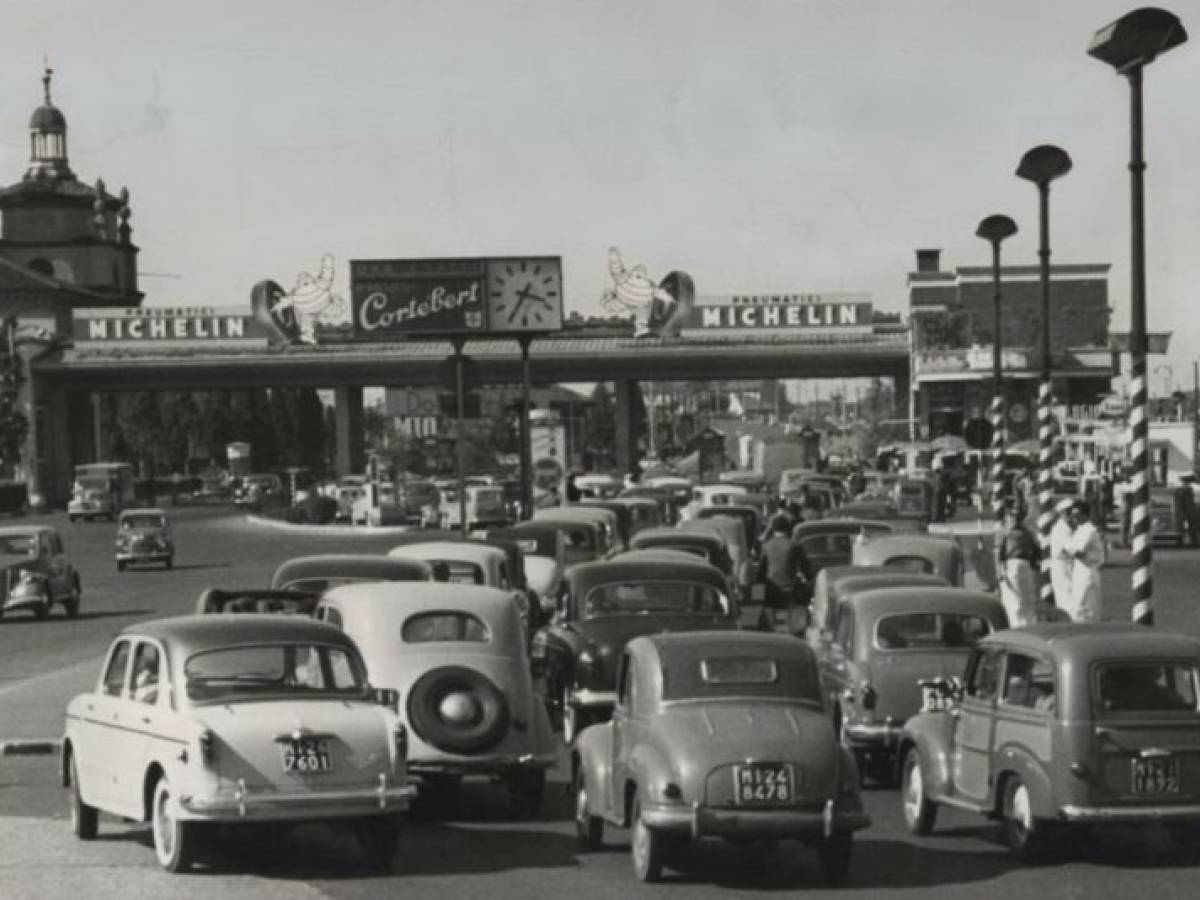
101	490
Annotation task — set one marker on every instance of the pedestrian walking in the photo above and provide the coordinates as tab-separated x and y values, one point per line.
1087	551
786	574
1062	557
1017	559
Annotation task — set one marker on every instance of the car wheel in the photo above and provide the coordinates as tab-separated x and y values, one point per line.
84	818
174	840
919	812
379	841
71	604
120	565
833	854
525	792
647	847
589	829
1020	828
170	562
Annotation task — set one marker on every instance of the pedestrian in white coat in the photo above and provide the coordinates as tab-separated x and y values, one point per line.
1062	558
1087	550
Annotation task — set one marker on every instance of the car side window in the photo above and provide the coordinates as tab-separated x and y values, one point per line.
843	630
984	676
623	681
1029	683
114	674
143	685
332	616
56	546
505	584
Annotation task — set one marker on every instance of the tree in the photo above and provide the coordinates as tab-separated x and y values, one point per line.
14	425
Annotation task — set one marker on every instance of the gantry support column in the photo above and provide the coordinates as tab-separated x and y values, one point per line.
348	429
626	435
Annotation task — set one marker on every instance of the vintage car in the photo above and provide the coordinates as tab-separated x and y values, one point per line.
456	653
469	562
144	536
676	486
604	605
316	574
1173	516
706	544
485	507
620	510
834	582
717	735
830	542
35	572
348	489
882	642
711	495
922	553
582	541
602	521
255	488
544	556
750	479
915	498
186	727
255	600
1056	725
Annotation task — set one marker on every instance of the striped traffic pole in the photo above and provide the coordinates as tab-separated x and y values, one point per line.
1139	521
995	229
1045	488
997	415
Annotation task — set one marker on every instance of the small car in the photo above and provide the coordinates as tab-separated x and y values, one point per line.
456	654
925	554
830	542
583	541
1061	725
717	734
485	508
678	488
185	727
144	536
711	495
883	641
834	582
349	488
708	545
607	603
256	488
751	518
319	573
915	497
35	572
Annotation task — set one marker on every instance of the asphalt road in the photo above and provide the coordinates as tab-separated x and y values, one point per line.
474	851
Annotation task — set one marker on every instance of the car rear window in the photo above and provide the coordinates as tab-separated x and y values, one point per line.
918	564
1147	687
633	597
790	677
929	631
267	671
435	627
18	545
456	571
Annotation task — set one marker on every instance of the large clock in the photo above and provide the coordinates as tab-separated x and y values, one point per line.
524	294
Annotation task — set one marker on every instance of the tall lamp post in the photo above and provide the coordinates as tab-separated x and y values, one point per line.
1128	45
995	229
1042	165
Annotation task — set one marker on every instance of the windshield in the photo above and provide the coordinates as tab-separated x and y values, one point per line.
1147	687
145	521
18	545
93	483
930	631
640	597
783	677
270	671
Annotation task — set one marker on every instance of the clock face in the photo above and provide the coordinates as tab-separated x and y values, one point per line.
524	294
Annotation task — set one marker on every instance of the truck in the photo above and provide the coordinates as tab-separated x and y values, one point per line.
101	490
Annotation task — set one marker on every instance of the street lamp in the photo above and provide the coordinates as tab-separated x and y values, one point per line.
1041	165
995	229
1128	45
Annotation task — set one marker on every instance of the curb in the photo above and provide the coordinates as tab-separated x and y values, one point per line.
29	748
338	529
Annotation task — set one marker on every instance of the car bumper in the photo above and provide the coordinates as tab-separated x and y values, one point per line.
482	765
249	804
702	821
590	698
156	556
872	735
1099	815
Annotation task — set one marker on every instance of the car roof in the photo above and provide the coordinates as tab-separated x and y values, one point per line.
459	551
921	598
837	526
364	607
646	567
191	634
1088	641
667	534
143	511
6	530
358	564
906	542
695	645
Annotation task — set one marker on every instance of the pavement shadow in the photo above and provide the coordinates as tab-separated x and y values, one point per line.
479	802
24	618
152	569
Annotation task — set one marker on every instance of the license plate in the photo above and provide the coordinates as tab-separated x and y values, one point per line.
306	755
934	698
1156	776
763	785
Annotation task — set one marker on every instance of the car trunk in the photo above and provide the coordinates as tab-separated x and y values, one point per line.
251	738
614	632
1147	760
894	676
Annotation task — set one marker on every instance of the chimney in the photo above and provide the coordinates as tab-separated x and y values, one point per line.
929	260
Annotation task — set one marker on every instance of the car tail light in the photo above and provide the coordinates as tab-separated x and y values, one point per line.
401	738
208	746
869	696
673	791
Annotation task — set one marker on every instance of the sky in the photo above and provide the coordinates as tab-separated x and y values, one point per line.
762	146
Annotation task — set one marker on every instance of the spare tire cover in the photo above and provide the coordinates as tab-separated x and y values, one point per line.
482	731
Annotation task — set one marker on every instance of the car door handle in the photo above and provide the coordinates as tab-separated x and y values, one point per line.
145	720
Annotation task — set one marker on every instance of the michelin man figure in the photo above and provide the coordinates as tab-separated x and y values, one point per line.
312	300
633	291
